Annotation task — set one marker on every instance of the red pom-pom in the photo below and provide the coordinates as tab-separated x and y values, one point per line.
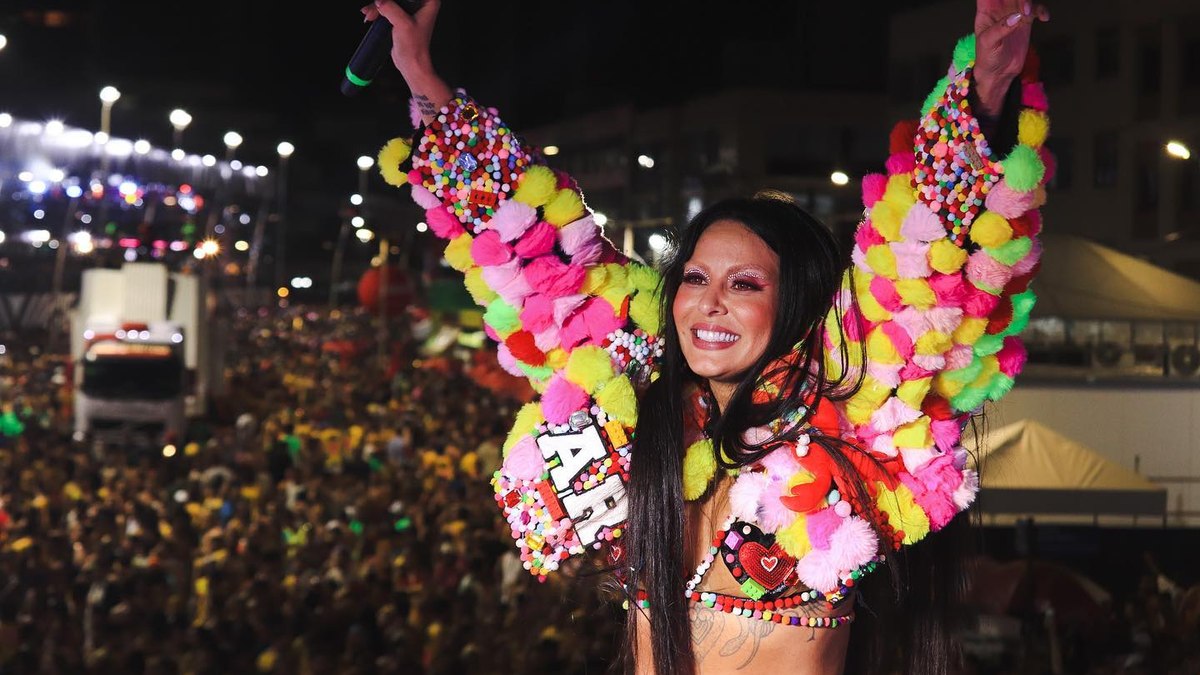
522	346
1017	285
903	137
1001	316
937	408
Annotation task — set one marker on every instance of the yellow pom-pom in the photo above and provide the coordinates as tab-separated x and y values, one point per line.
913	392
947	387
915	434
642	278
969	330
886	217
932	343
619	401
480	292
391	156
945	257
866	400
458	253
899	192
644	310
991	366
556	359
589	367
903	512
991	229
595	280
536	187
1032	127
880	348
882	261
699	467
867	304
564	207
916	293
794	538
527	419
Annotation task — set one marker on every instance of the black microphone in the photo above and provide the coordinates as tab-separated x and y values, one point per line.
375	48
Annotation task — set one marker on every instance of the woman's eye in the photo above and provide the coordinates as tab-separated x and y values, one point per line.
745	285
694	278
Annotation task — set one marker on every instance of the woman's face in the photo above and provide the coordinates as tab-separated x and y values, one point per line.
725	307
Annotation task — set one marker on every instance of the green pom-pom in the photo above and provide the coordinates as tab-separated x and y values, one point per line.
934	96
999	385
1010	251
1022	305
540	373
964	52
502	317
965	375
988	344
1023	169
642	278
699	467
970	399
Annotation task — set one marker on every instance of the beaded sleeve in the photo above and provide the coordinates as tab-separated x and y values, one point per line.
569	312
941	268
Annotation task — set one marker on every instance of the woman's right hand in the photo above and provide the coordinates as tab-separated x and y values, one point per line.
411	35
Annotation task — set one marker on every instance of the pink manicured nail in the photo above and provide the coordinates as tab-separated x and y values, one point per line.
1028	9
1012	20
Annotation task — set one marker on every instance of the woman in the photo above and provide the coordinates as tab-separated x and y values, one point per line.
799	426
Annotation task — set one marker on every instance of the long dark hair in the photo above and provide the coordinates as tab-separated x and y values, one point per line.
810	269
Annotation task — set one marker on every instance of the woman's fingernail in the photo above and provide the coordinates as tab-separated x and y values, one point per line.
1012	20
1028	9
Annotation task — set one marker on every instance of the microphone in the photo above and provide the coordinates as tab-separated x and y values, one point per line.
375	48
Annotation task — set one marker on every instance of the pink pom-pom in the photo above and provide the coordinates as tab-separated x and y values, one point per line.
912	259
443	223
565	306
900	162
964	496
491	333
550	276
488	250
747	494
921	224
548	339
1033	95
508	282
949	289
781	462
588	254
913	321
524	460
507	361
592	323
959	356
561	398
773	514
886	294
884	444
537	240
577	234
1049	161
1025	265
887	374
873	187
512	219
985	271
424	198
1007	202
979	302
816	570
899	338
537	314
892	414
1011	356
821	525
853	544
946	433
867	236
944	319
853	323
917	368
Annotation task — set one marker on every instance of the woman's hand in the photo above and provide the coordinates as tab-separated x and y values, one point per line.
411	35
1002	29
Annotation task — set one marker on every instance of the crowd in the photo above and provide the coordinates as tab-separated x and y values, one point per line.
332	514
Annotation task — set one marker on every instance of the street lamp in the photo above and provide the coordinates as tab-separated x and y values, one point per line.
108	96
1178	150
232	140
180	119
3	42
839	178
285	150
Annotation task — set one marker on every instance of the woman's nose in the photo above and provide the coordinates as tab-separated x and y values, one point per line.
713	301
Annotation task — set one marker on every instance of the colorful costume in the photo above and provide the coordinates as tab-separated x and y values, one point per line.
935	297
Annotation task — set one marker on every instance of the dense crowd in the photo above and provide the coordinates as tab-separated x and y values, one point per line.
332	514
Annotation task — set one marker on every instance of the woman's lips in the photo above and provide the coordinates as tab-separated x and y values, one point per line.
713	337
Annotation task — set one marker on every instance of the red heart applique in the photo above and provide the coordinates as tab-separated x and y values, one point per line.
769	567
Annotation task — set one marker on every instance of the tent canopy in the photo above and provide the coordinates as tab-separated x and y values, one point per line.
1080	279
1026	467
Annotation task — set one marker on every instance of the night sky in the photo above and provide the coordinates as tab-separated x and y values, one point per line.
271	70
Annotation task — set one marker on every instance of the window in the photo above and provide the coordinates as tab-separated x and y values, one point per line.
1104	159
1063	150
1058	61
1149	62
1108	53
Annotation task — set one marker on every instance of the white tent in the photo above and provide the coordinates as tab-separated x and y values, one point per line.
1027	468
1080	279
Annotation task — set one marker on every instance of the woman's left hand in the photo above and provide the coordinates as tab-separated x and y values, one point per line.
1002	29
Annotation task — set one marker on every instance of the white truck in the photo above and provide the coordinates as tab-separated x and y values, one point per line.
142	353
